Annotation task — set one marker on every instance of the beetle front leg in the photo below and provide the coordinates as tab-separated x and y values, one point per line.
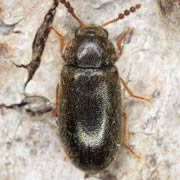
55	110
124	137
132	94
61	37
121	38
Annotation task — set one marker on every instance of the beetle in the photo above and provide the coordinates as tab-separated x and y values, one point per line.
88	96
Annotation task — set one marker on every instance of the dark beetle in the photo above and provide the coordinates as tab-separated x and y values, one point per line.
90	111
89	103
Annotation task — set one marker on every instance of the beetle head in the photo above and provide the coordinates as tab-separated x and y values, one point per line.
91	31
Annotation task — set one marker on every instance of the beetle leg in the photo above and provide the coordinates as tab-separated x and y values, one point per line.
54	111
61	37
132	94
121	38
124	137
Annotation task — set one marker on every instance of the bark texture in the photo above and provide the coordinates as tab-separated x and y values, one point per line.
29	143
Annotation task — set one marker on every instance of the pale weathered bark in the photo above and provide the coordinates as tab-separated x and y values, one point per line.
29	144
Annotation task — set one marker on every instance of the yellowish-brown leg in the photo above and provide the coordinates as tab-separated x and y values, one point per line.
54	111
61	37
124	137
121	38
132	94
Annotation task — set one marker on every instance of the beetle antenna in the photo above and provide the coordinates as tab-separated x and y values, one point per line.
122	15
71	11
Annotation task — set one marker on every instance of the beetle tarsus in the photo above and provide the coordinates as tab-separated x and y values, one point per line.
124	137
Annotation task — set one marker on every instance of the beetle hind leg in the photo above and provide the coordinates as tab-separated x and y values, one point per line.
124	138
132	94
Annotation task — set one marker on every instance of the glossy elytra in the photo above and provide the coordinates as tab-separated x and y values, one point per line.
89	96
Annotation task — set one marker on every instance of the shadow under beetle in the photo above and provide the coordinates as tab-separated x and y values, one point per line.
88	97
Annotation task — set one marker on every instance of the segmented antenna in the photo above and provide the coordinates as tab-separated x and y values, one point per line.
122	15
71	11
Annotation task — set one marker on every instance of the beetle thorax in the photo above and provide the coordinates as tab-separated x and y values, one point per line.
90	53
90	48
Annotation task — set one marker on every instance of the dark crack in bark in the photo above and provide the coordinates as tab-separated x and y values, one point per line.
39	43
167	7
33	105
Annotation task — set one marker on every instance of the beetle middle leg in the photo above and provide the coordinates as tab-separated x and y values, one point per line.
61	37
121	38
132	94
54	111
124	137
